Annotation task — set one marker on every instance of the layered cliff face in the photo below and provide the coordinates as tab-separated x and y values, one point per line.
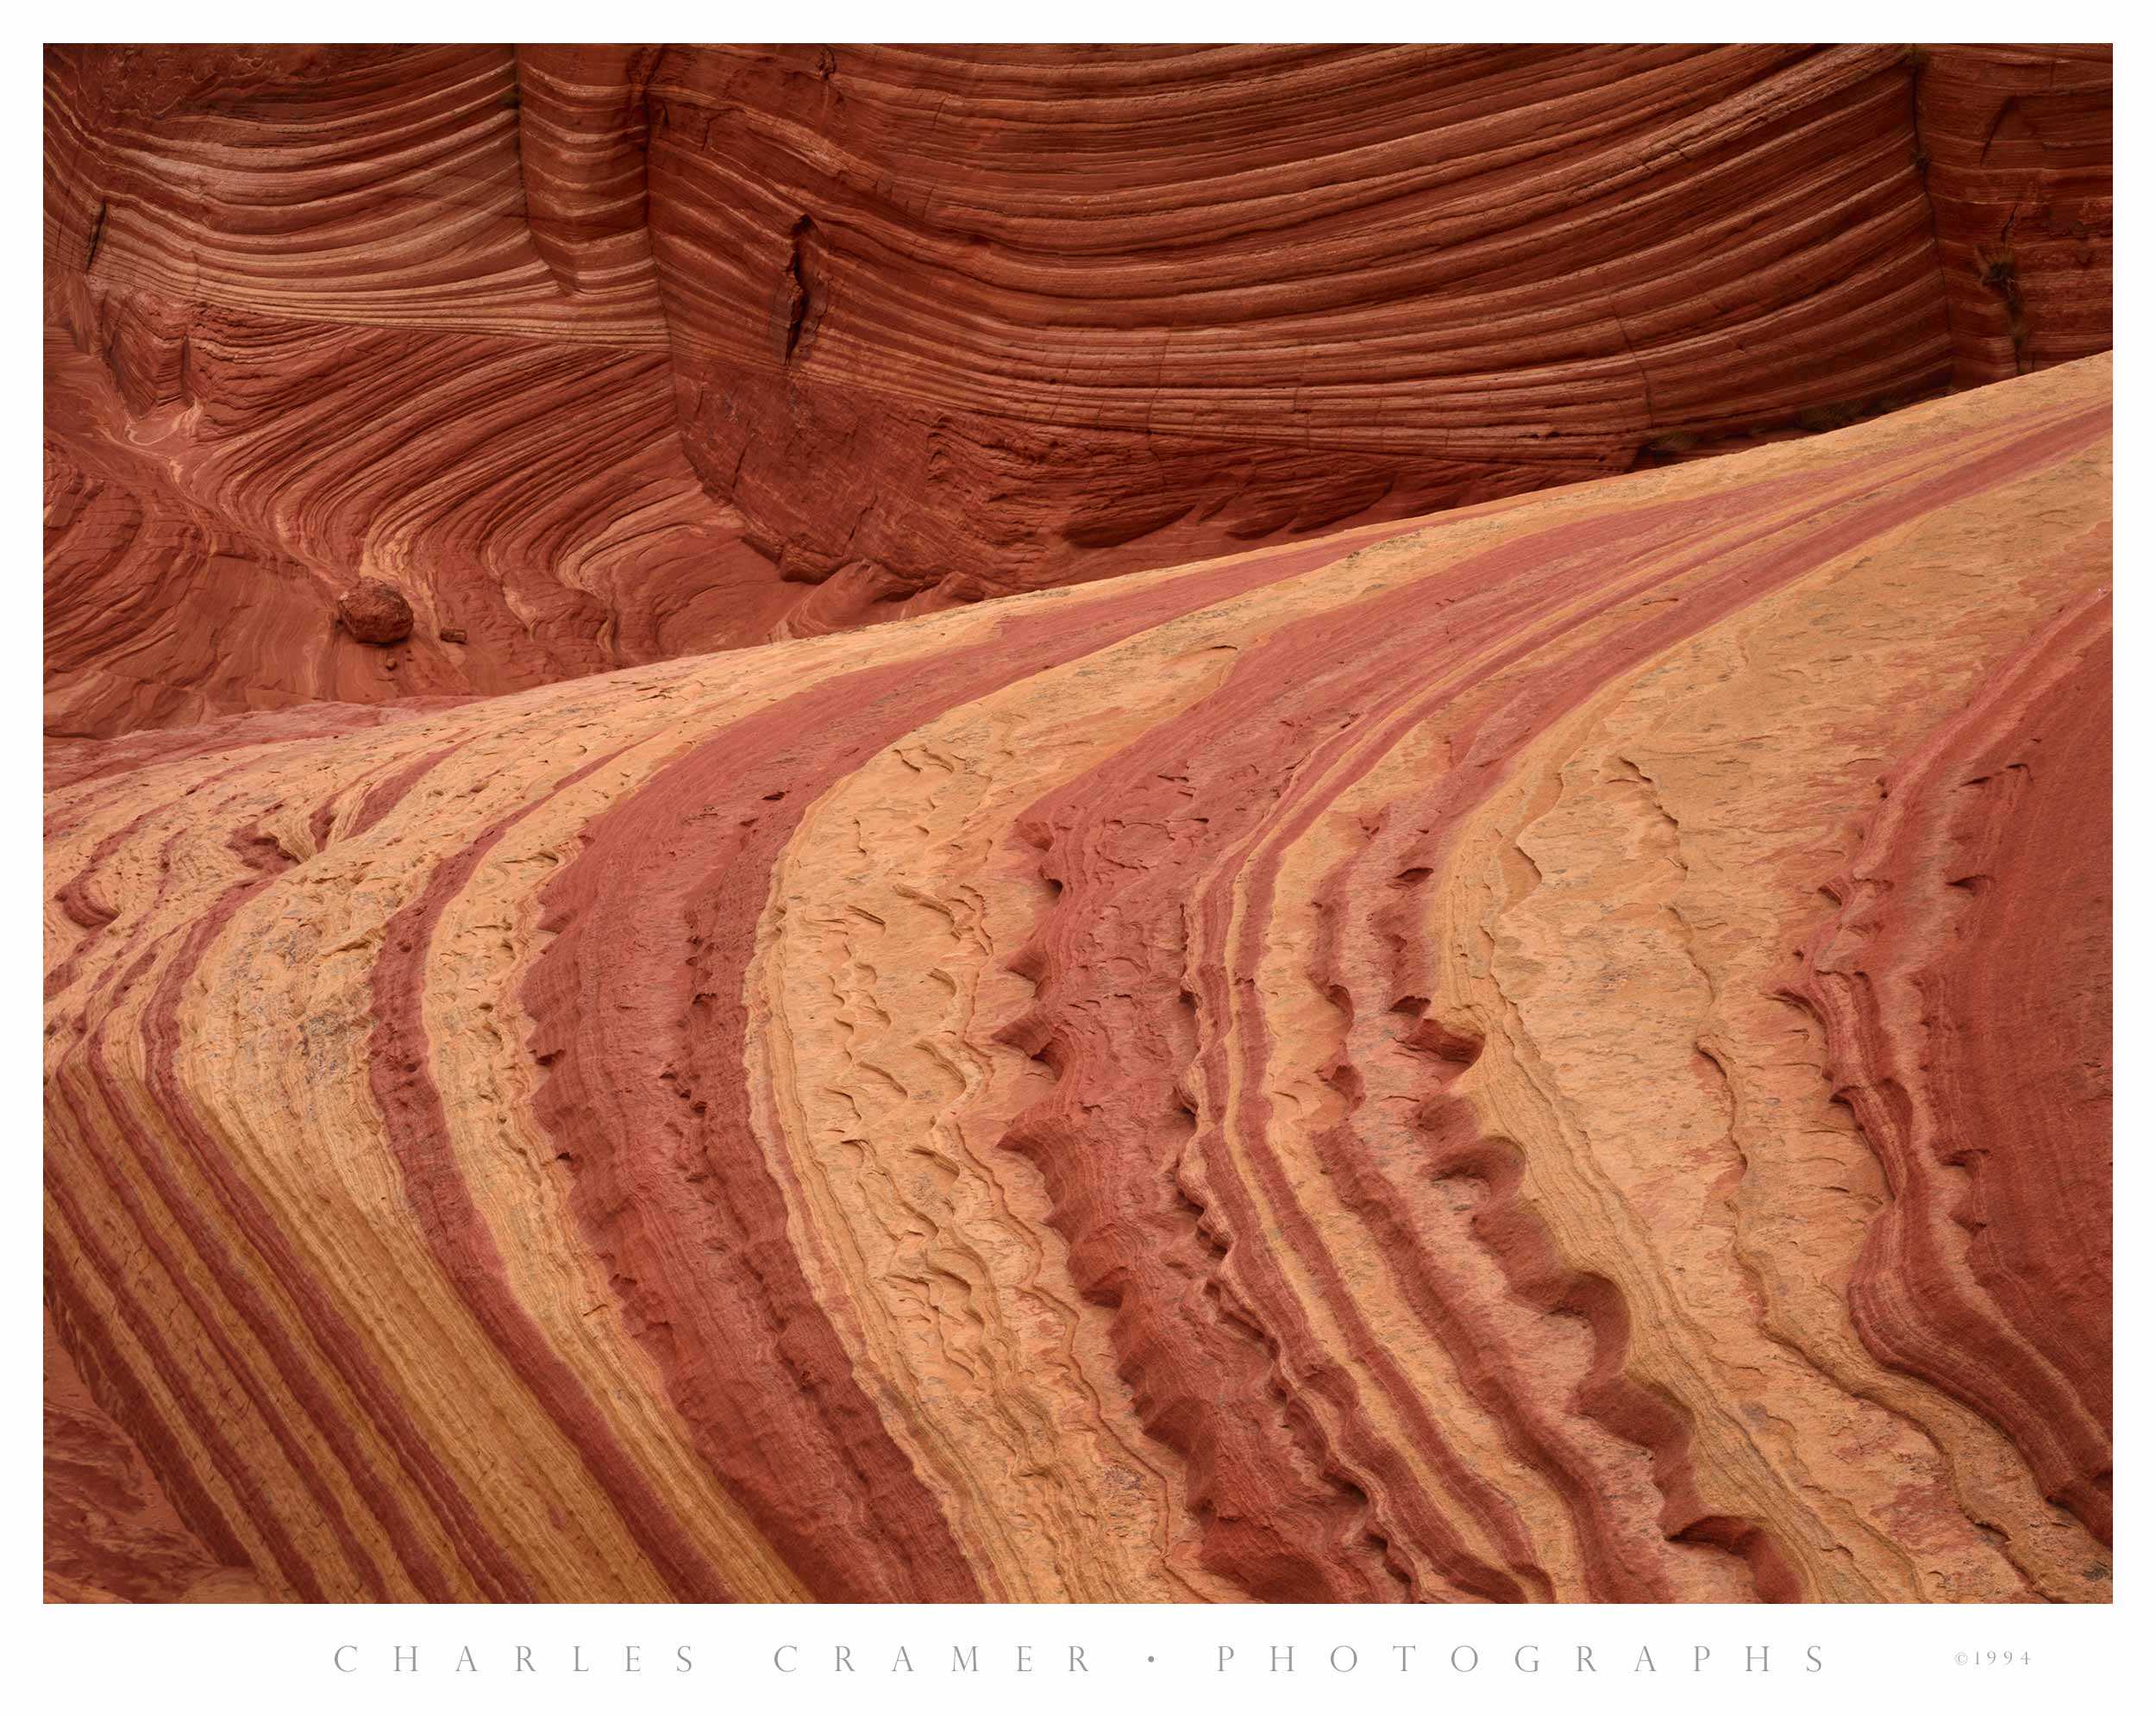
2015	146
606	356
1554	1052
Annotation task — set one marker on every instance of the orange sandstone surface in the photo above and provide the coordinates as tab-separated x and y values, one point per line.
1558	1051
601	356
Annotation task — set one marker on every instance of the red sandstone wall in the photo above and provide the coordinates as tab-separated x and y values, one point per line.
605	355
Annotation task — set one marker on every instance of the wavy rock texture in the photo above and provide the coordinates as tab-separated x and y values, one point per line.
1555	1052
607	355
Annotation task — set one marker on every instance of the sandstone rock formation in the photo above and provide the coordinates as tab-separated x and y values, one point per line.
1554	1052
608	356
2015	149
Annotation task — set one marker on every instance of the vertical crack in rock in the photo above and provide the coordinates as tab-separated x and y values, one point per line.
97	237
799	302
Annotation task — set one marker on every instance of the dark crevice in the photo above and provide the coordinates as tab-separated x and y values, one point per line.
97	236
799	295
2000	271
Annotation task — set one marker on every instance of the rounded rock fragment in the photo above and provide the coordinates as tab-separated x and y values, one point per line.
375	613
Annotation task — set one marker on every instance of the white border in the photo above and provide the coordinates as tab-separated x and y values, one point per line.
157	1659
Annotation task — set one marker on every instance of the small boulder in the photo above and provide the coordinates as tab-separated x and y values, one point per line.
375	613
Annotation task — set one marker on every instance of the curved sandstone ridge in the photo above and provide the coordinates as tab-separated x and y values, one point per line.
1557	1053
607	355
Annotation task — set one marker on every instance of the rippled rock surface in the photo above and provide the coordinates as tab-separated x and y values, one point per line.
1557	1051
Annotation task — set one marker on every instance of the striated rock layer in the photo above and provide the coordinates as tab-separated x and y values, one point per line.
607	355
1556	1053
